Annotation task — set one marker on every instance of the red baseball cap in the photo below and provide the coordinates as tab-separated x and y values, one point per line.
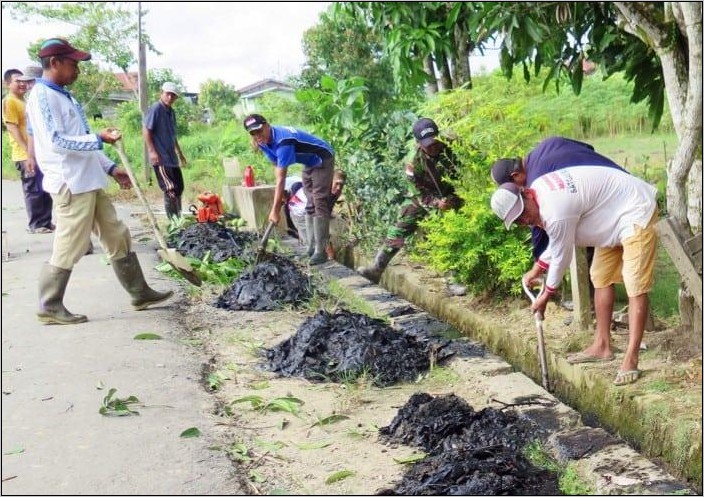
60	47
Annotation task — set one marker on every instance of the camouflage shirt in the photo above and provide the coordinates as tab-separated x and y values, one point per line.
429	177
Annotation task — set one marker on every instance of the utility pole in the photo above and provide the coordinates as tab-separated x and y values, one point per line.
143	89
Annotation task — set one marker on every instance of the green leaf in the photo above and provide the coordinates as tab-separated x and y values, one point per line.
100	385
147	336
256	476
338	476
17	450
410	459
330	420
190	433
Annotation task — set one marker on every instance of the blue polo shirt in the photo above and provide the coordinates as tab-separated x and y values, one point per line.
161	121
293	146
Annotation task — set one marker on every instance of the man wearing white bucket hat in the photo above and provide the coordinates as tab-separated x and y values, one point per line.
606	208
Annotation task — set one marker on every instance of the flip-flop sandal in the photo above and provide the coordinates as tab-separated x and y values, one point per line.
626	377
581	357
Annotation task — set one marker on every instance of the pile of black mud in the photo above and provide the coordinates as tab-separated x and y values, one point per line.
344	346
267	286
196	240
469	452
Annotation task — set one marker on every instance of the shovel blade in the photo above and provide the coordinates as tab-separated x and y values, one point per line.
180	264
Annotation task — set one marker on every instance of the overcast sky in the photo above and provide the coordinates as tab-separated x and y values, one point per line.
239	43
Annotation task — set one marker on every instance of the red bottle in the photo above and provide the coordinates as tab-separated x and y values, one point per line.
249	176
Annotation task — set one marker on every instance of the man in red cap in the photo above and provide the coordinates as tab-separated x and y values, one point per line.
75	174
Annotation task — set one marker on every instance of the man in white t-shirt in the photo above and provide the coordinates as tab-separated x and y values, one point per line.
591	206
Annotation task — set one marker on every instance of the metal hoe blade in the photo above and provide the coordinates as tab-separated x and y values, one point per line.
261	252
539	328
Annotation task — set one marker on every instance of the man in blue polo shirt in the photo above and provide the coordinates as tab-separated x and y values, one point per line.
159	132
283	146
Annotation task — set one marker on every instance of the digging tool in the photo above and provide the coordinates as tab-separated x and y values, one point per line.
539	328
261	252
168	255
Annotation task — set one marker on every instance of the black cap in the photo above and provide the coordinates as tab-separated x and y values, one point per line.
253	122
503	169
425	131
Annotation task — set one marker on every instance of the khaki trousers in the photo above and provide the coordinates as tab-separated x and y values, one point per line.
79	215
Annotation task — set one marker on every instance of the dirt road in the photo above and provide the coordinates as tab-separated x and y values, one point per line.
206	373
54	379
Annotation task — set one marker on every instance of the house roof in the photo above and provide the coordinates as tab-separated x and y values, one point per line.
263	86
129	82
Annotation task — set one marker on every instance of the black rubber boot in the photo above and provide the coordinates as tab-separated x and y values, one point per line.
321	228
382	259
52	288
129	272
310	235
172	206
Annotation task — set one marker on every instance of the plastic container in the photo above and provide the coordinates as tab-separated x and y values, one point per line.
249	176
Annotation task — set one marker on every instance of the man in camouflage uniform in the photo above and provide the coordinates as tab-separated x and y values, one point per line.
428	172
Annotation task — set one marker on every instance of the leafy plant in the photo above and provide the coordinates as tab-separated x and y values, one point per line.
215	380
239	452
117	406
279	404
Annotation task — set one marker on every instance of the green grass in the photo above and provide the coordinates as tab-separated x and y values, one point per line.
644	155
569	481
664	300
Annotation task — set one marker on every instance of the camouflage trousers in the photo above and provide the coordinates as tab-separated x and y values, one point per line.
411	214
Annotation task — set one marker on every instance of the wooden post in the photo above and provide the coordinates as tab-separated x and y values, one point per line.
143	103
681	259
579	278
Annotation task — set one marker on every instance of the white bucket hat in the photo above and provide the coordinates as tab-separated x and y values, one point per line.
507	203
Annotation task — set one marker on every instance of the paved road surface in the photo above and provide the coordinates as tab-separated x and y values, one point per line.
54	441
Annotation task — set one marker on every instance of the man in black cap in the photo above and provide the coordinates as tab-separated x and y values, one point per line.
428	173
285	146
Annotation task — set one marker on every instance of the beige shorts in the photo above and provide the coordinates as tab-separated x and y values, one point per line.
633	263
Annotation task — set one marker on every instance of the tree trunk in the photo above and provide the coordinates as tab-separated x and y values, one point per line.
445	82
682	72
431	87
460	62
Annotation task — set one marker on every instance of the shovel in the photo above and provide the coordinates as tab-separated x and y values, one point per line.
261	252
168	255
539	327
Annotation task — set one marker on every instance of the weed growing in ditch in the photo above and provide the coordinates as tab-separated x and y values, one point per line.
334	295
570	482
